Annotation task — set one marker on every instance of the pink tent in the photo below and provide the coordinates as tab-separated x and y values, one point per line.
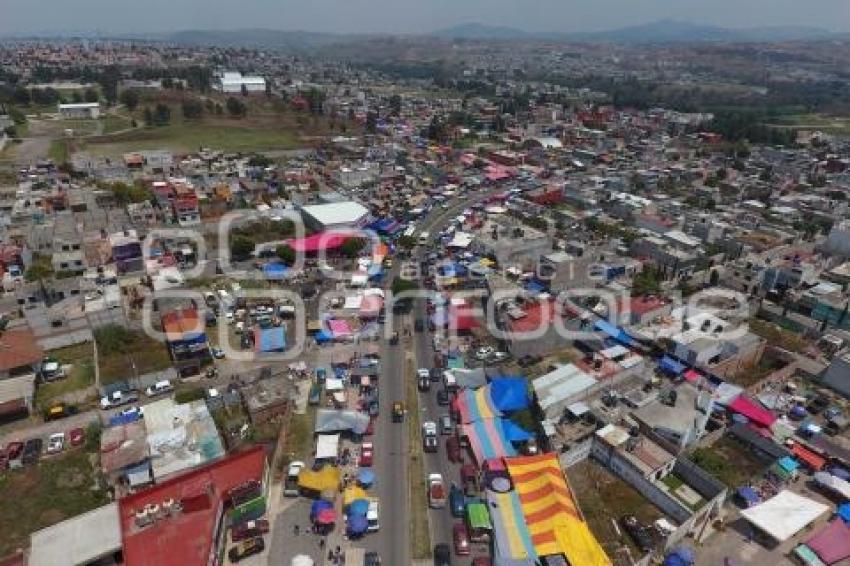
744	406
339	328
832	543
320	241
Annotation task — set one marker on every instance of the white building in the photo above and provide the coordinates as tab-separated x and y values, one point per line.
80	110
234	81
838	241
335	216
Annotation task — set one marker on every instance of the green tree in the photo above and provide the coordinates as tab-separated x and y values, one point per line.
235	107
352	247
286	254
90	95
161	115
400	285
147	116
241	248
130	99
192	108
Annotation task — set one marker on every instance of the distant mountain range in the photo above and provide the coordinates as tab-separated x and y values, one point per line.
664	31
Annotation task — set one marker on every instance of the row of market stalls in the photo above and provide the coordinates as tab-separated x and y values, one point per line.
539	517
529	506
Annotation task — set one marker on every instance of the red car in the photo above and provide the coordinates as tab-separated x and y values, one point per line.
14	451
4	460
460	536
482	561
370	430
453	449
76	436
366	455
249	529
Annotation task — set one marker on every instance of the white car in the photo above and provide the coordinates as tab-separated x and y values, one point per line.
56	443
373	516
423	373
290	484
159	388
132	411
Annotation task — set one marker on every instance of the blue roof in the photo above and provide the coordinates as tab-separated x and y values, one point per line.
509	394
670	365
748	494
270	339
275	270
614	332
844	512
788	464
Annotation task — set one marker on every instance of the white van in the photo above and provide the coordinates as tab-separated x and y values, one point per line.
159	388
424	237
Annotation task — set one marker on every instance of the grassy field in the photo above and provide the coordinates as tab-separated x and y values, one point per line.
115	123
123	354
828	124
54	490
778	336
728	461
80	376
58	151
420	534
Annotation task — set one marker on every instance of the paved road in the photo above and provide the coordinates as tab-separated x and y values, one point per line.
441	520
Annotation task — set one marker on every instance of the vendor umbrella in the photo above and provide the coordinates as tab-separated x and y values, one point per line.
358	507
318	506
357	524
326	517
366	476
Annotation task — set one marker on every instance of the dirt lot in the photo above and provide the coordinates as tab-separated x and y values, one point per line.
53	490
729	461
604	498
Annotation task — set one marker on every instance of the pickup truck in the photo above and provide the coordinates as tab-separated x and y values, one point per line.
118	399
436	491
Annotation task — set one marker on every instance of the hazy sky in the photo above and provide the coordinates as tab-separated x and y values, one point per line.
406	16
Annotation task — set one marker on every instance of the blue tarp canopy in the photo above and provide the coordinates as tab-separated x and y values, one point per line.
748	494
614	332
358	507
366	476
509	394
318	505
535	286
840	472
788	464
357	524
513	432
122	419
671	366
270	339
275	270
843	511
323	336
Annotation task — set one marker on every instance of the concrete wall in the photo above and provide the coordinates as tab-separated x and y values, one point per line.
578	453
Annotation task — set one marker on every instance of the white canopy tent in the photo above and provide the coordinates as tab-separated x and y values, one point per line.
327	446
784	514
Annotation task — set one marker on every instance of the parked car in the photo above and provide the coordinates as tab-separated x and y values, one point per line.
460	537
77	436
246	548
457	501
249	529
398	412
56	443
159	388
443	398
372	559
118	399
497	357
217	353
14	454
453	449
290	485
482	561
370	429
436	491
59	411
529	360
32	451
424	384
132	412
373	516
484	352
442	555
367	455
637	532
436	375
429	436
446	425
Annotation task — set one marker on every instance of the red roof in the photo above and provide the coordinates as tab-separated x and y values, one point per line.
538	315
186	537
812	460
755	413
19	348
179	323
